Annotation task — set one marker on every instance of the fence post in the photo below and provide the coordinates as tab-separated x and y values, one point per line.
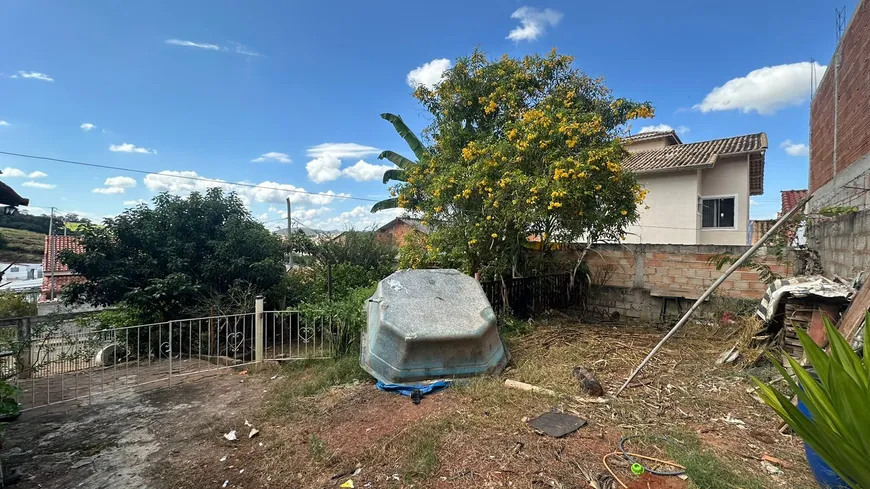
25	345
170	353
259	332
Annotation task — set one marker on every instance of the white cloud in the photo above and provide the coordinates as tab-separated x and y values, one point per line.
658	128
115	185
753	202
324	168
364	172
272	156
109	190
533	23
191	44
129	148
131	203
13	173
662	128
233	47
342	150
430	74
35	75
87	126
764	90
241	49
122	182
359	218
41	185
4	123
9	172
184	182
795	149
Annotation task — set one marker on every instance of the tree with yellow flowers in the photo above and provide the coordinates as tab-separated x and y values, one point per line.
520	148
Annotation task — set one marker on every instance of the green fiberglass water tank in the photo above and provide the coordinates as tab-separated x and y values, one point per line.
430	324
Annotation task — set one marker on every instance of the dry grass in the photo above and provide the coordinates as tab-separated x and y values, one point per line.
317	426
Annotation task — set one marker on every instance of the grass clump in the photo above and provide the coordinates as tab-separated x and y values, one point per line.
311	377
704	468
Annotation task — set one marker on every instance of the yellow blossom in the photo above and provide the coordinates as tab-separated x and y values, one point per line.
489	218
494	235
624	212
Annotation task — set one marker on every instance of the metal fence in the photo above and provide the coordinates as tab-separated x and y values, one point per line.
53	360
525	297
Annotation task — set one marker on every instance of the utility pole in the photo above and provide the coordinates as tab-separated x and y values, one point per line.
289	230
51	261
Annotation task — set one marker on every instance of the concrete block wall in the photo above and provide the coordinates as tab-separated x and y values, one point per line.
843	243
624	275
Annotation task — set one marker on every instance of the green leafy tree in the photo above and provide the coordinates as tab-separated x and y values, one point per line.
15	306
519	148
168	260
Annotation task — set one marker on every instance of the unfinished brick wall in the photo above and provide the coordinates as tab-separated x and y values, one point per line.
852	86
842	178
628	276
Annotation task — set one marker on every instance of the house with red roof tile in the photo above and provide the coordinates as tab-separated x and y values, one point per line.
698	193
56	275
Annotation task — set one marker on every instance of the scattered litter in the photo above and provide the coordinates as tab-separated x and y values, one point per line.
736	422
557	425
776	461
247	423
589	385
223	459
770	468
513	384
242	471
243	372
225	483
261	443
231	436
729	356
254	432
349	483
273	377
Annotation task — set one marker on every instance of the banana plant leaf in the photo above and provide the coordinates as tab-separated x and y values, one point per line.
396	159
408	135
392	203
394	174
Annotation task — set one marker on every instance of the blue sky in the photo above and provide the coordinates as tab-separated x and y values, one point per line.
207	87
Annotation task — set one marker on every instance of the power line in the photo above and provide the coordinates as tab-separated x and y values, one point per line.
186	177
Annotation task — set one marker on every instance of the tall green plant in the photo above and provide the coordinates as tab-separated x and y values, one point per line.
399	174
838	428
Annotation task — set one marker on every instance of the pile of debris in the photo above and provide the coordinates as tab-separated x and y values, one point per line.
803	303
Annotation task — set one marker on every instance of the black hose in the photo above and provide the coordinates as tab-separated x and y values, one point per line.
635	461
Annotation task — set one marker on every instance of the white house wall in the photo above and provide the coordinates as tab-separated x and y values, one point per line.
672	217
729	176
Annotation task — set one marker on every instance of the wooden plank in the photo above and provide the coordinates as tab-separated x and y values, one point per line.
854	315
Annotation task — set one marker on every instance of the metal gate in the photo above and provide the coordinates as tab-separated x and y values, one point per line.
69	359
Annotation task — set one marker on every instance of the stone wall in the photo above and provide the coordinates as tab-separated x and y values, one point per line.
631	279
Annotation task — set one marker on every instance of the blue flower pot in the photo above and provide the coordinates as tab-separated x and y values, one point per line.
823	473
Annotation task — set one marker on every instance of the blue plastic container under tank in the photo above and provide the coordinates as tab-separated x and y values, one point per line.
430	324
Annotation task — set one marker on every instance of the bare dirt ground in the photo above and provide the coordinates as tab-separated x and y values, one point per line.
321	424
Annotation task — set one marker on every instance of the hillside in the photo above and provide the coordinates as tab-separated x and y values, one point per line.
23	246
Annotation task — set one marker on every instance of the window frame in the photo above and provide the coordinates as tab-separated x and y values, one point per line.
702	198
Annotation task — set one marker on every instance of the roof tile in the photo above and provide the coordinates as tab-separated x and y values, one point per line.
700	154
